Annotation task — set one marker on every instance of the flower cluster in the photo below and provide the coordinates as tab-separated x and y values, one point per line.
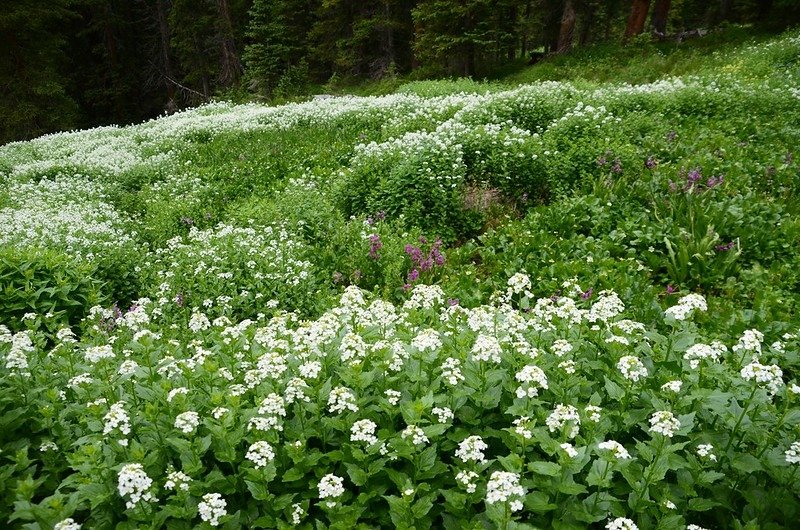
133	483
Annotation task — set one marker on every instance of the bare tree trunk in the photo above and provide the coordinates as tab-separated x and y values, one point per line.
661	15
567	27
725	8
587	22
231	68
166	62
764	8
388	38
637	18
524	43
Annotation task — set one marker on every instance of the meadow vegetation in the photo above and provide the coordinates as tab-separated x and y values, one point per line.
563	304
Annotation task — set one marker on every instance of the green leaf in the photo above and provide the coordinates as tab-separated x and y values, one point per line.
702	505
356	474
746	463
549	469
613	390
538	501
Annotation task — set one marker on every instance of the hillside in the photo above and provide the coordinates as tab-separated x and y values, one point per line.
441	307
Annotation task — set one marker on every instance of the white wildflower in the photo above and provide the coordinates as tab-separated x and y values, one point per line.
503	486
133	482
212	508
569	449
471	449
532	378
331	487
486	348
393	396
364	431
793	453
177	480
706	451
617	449
467	479
632	368
664	422
260	453
563	415
621	523
187	421
341	399
443	414
416	434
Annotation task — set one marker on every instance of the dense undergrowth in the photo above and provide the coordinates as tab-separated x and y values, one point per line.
443	307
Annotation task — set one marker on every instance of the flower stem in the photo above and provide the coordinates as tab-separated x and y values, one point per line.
741	417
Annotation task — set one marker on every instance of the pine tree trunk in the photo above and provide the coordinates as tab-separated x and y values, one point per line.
587	23
524	43
166	62
660	16
764	8
637	18
725	8
231	67
567	27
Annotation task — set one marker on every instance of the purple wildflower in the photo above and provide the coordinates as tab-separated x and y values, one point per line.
375	244
587	294
724	248
452	302
338	277
617	166
671	136
413	275
694	176
651	162
670	289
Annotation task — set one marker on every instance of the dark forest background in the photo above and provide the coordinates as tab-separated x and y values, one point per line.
68	64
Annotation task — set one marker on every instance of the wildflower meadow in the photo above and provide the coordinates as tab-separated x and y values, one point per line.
557	305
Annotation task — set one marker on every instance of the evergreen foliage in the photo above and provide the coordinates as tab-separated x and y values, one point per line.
80	63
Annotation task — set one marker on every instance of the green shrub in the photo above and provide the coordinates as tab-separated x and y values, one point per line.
57	290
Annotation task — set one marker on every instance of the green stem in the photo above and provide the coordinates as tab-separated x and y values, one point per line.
649	476
741	417
775	430
602	479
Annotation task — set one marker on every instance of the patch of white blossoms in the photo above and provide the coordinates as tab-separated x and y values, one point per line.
621	523
664	422
134	484
503	486
341	399
331	487
212	508
617	449
486	348
532	379
471	449
769	376
686	305
562	416
632	368
416	434
260	453
177	480
793	453
67	524
187	422
364	431
699	352
468	479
